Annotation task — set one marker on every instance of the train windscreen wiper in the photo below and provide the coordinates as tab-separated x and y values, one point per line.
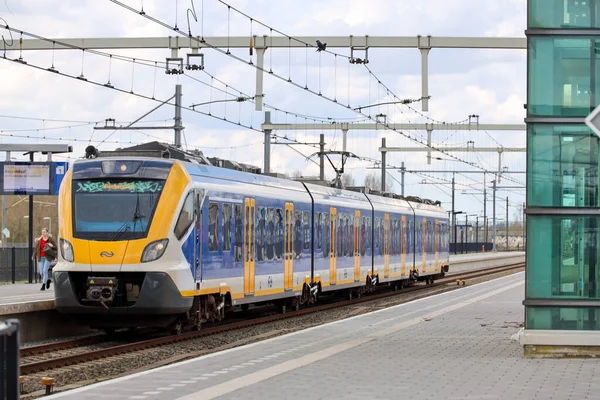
137	216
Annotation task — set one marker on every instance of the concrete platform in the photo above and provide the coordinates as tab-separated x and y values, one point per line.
26	297
456	345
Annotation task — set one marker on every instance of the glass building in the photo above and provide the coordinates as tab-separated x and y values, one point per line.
562	295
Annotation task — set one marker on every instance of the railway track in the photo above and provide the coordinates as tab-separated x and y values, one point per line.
81	350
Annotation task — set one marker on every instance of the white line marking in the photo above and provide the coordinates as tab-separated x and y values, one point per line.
467	289
188	382
153	392
287	366
177	384
164	388
137	397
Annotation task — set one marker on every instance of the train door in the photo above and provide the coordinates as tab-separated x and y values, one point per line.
386	245
199	196
403	244
356	246
249	243
437	245
288	269
334	244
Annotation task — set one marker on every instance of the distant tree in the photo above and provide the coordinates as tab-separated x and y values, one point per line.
373	182
347	180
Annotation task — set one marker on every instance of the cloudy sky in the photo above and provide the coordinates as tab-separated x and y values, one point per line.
490	83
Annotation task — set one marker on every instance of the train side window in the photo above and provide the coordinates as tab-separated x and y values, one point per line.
298	234
339	231
260	235
186	217
279	234
270	234
319	230
376	233
306	221
239	233
363	236
326	235
369	234
226	221
213	227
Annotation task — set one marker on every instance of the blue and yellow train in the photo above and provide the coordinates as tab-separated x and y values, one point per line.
162	242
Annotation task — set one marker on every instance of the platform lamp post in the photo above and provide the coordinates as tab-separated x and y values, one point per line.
454	214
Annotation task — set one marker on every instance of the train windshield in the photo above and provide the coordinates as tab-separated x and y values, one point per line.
114	210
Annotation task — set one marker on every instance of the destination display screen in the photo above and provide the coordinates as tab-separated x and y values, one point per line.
140	186
26	178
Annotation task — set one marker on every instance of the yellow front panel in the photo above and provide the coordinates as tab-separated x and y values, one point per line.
88	251
332	258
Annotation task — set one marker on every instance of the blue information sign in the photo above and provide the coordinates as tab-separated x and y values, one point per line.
60	170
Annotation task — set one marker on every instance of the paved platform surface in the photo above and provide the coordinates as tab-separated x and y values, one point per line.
22	292
451	346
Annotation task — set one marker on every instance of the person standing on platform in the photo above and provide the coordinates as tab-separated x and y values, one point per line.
45	252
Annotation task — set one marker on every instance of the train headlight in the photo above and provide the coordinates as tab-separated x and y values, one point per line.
66	250
154	250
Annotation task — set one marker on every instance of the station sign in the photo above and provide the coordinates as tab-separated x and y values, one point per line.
31	178
593	121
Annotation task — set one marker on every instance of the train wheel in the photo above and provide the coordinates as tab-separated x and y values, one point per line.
177	329
283	308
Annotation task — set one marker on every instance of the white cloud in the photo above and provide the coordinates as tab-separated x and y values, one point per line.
490	83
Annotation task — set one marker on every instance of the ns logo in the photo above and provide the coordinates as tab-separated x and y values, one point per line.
108	254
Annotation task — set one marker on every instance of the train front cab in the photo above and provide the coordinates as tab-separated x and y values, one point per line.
119	262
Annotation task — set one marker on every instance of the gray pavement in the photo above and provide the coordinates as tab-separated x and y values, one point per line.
451	346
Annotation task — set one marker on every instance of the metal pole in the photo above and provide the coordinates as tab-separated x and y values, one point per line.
467	233
178	127
402	173
523	226
494	216
506	223
322	157
383	153
4	208
267	165
485	227
477	232
453	216
31	232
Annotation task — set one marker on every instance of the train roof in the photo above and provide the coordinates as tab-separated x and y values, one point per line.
197	169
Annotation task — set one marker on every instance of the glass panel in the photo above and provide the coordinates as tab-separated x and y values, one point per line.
564	14
562	318
213	227
238	232
270	234
226	220
279	234
260	234
560	78
126	208
562	257
562	166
